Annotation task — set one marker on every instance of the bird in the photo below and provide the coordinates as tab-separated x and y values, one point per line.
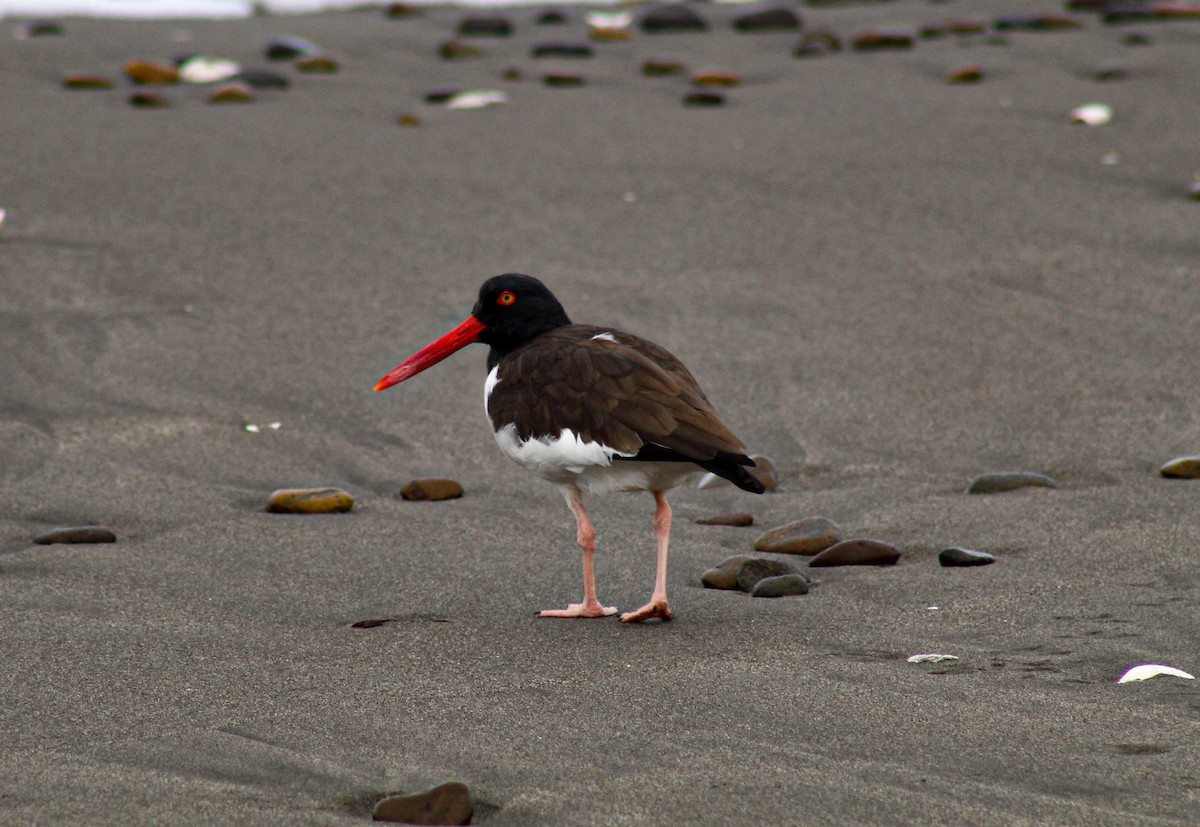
592	410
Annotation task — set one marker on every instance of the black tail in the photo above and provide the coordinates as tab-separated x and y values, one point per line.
733	468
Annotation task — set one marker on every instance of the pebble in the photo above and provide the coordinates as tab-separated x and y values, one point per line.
875	40
149	99
1126	13
724	575
563	79
444	804
963	27
551	17
704	99
485	25
817	43
962	557
232	92
567	50
1036	22
1176	10
317	64
1092	114
757	568
41	28
454	50
77	534
670	17
716	79
1136	39
441	95
408	119
512	73
1009	481
603	34
808	536
782	586
965	74
656	68
1182	468
288	48
432	490
738	519
309	501
201	69
858	553
767	18
397	10
145	73
87	82
1110	71
262	79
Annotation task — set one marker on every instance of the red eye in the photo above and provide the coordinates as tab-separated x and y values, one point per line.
506	298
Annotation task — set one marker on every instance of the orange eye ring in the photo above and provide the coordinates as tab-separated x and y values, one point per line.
506	298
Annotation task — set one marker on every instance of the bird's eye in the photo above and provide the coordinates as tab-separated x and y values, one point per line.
506	298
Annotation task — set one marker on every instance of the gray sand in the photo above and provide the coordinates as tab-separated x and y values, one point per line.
887	284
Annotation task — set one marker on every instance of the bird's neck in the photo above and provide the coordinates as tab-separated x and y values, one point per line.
502	345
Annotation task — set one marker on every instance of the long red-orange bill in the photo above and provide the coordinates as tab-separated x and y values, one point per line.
431	354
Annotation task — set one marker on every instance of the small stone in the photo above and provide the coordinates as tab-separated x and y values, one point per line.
1009	481
876	40
817	43
454	50
262	79
767	18
1176	10
373	623
408	119
962	27
149	99
809	536
87	82
563	79
1036	22
604	34
444	804
738	519
672	17
489	25
704	99
1182	468
565	50
309	501
965	74
783	585
512	73
1136	39
716	79
656	68
41	28
757	568
724	575
441	95
1126	13
77	534
232	92
1110	71
960	557
431	490
317	64
145	73
202	69
288	48
1092	114
551	17
857	553
397	10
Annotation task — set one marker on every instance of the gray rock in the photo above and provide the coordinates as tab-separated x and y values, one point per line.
956	556
782	585
858	552
1009	481
672	17
771	17
757	568
724	576
808	536
77	534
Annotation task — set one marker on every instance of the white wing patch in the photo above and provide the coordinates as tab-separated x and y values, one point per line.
606	336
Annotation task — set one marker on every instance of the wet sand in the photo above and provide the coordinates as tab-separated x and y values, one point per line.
887	283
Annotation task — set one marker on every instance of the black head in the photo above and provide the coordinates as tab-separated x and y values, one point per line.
515	309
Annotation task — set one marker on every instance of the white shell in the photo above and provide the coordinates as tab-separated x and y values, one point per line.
931	658
1092	114
476	99
202	69
609	19
1152	670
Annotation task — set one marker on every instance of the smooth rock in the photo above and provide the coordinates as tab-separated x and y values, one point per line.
817	43
202	69
604	34
656	68
783	585
408	119
77	534
317	64
1092	114
1117	13
564	50
1136	39
563	79
961	557
149	99
262	79
858	552
309	501
454	50
87	82
512	73
432	490
1168	10
757	568
485	25
809	536
716	79
965	74
738	519
232	92
145	73
724	575
1036	22
398	10
1109	72
41	28
767	18
550	17
1009	481
288	48
1182	468
444	804
704	99
963	27
876	40
672	17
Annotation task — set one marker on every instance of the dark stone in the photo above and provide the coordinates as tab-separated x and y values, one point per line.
1117	13
408	119
809	536
1182	468
146	73
738	519
1035	22
1109	72
783	585
432	490
512	73
964	557
1137	39
1009	481
704	99
288	48
672	17
440	95
77	534
966	74
454	50
818	43
42	28
87	82
262	79
756	568
551	17
317	64
373	623
485	25
724	576
149	99
877	40
767	18
445	804
857	553
309	501
563	79
720	79
655	67
568	50
397	10
962	27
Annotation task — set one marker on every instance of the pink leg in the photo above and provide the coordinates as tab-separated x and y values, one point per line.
586	538
657	607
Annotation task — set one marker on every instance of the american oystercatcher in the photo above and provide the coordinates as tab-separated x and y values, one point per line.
592	410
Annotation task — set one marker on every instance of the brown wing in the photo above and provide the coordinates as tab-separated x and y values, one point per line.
624	394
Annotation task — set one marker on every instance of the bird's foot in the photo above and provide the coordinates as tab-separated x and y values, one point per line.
653	609
593	609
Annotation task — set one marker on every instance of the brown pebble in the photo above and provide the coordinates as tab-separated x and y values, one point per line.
1182	468
724	575
401	10
965	26
857	553
233	92
655	68
603	34
149	99
758	568
512	73
817	43
431	490
309	501
454	50
408	119
716	79
317	64
444	804
87	82
809	536
965	74
145	73
77	534
738	519
882	39
563	79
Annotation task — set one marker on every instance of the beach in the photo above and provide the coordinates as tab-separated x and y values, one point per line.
887	283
